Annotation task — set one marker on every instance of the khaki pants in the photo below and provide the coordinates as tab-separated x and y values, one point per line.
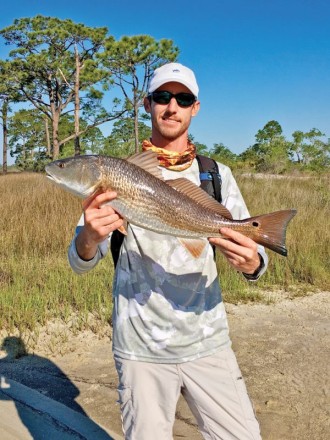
212	386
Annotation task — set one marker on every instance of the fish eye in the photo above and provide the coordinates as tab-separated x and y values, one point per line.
61	165
255	224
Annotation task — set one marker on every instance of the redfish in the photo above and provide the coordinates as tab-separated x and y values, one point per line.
173	207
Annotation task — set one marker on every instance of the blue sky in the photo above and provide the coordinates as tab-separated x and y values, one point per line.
255	60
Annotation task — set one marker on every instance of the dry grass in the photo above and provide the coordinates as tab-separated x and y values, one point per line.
36	283
308	235
38	220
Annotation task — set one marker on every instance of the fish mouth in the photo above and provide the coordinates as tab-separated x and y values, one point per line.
59	182
49	175
80	192
52	178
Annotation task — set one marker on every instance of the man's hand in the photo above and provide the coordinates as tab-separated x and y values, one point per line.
240	251
100	221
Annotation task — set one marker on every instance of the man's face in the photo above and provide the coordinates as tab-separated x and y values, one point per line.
171	121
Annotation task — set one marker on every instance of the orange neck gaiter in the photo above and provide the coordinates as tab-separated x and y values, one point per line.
172	160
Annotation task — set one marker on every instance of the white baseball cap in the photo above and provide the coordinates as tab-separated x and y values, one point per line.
174	72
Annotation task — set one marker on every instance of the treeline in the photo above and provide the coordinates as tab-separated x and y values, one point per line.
273	153
56	79
58	76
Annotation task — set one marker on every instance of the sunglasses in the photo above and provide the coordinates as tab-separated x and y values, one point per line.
164	97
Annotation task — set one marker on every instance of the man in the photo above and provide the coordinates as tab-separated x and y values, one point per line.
170	332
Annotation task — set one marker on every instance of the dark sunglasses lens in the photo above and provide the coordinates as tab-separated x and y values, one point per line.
185	99
162	97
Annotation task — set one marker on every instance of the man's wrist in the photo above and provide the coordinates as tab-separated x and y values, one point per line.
256	273
86	249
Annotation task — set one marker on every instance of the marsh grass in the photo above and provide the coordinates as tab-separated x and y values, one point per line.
306	268
38	219
37	223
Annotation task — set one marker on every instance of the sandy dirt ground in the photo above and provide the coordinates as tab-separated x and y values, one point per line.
283	350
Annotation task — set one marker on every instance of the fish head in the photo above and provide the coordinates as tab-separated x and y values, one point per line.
79	175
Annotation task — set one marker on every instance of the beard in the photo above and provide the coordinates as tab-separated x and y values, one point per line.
171	133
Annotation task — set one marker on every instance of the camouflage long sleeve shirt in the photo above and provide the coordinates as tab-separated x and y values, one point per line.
167	304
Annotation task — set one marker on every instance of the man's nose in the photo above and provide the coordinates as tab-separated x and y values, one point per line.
172	105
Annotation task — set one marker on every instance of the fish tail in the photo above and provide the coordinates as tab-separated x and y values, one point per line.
270	229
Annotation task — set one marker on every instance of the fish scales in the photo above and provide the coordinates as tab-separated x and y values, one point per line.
140	192
175	207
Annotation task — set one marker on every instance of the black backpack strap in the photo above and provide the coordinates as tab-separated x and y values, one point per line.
209	176
210	179
116	241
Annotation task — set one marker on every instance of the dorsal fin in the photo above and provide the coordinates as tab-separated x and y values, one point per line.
199	195
148	161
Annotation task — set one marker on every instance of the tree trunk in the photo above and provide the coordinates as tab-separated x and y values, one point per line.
56	145
136	127
55	110
47	136
5	135
77	150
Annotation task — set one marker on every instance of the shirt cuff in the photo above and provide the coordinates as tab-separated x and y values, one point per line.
79	265
258	272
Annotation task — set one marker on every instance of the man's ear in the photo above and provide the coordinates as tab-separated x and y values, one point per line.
147	105
195	108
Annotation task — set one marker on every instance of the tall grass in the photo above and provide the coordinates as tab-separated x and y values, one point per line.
37	222
307	239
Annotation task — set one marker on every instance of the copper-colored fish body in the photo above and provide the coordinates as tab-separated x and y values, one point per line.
176	207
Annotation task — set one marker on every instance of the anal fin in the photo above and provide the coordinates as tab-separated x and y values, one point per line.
194	246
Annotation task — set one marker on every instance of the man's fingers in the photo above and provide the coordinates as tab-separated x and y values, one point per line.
99	228
105	230
102	218
237	237
233	256
234	241
87	202
226	245
97	199
115	225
